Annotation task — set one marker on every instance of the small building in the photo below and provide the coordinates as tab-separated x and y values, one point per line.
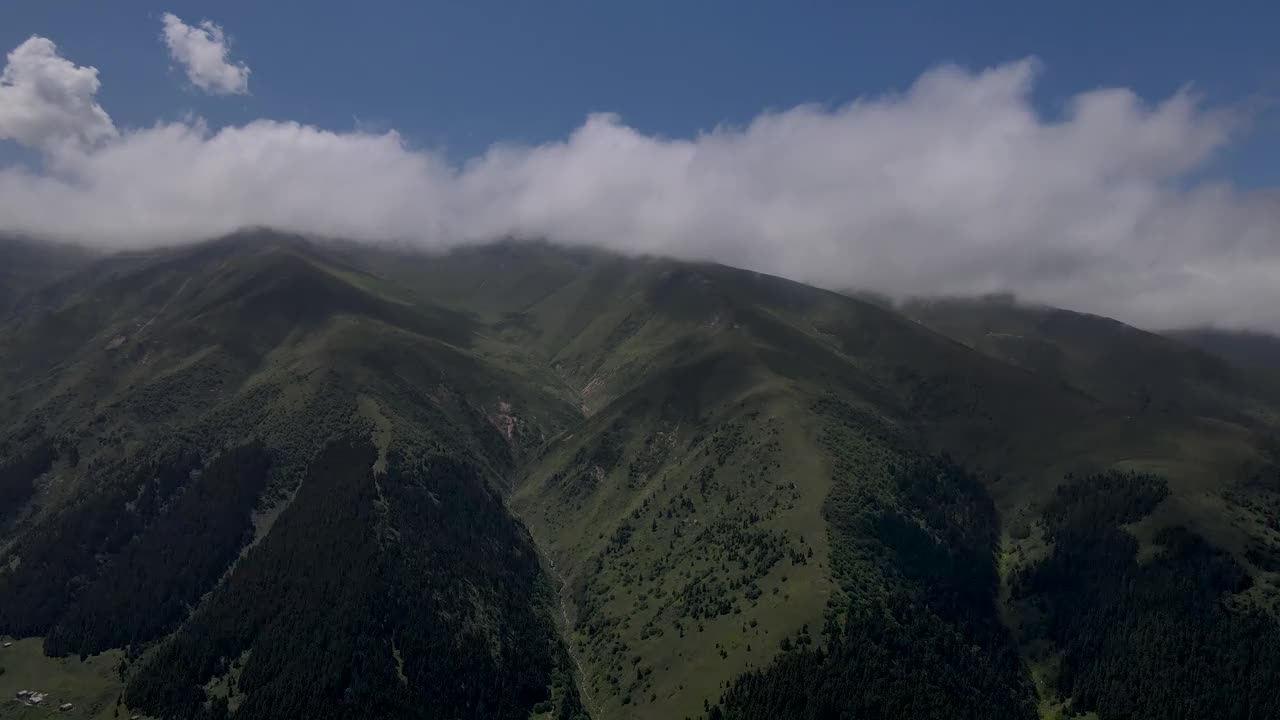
65	707
8	643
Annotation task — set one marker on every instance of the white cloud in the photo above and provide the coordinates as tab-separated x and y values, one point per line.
203	50
957	185
47	101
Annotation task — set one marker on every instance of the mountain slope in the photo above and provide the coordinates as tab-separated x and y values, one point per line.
1247	349
1128	368
728	445
364	414
27	264
283	477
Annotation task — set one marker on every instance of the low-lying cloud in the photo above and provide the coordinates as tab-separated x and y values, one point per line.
958	185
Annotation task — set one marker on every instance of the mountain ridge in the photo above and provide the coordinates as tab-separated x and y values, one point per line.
737	477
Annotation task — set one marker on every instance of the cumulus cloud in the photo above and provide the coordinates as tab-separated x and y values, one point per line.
956	185
47	101
202	50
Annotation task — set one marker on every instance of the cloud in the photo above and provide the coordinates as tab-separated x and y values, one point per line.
47	101
956	185
203	50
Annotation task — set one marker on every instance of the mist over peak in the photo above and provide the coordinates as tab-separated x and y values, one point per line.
957	185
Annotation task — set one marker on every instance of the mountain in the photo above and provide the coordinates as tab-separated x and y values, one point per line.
266	476
272	484
1250	349
1145	373
26	264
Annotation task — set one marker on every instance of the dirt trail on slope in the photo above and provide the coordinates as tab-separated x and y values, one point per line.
160	312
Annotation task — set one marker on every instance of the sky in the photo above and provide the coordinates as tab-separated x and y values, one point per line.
1118	160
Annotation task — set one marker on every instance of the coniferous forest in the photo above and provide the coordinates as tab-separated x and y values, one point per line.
382	619
930	644
1152	638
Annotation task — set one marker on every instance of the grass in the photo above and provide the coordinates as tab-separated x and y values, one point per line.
91	685
646	653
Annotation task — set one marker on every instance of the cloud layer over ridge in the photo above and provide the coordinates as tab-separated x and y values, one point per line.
956	185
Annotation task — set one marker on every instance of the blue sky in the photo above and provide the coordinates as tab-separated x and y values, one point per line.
1045	149
462	75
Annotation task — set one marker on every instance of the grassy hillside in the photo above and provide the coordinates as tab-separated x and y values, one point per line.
645	490
139	376
1144	373
518	480
1194	417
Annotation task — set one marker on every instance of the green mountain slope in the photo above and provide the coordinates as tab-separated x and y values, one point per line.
1144	373
726	450
1209	423
26	265
357	416
1248	349
287	478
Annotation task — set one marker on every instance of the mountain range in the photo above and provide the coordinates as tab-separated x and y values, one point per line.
267	476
